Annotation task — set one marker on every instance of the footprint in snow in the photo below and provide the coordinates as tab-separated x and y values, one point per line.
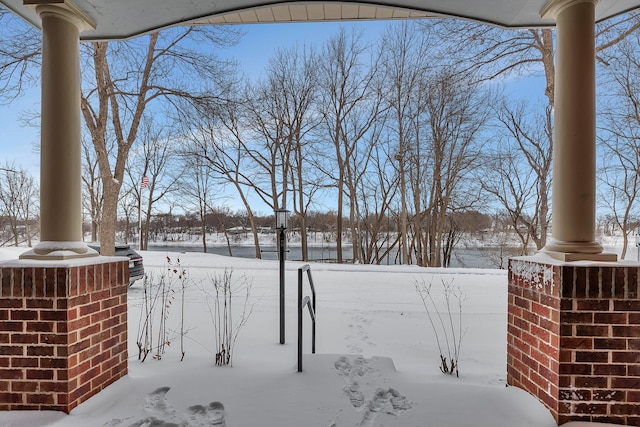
215	414
388	401
159	410
384	400
162	414
201	416
355	395
343	366
154	422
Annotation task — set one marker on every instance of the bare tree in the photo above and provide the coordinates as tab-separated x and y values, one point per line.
510	184
20	55
92	199
128	77
619	135
363	170
265	144
518	172
122	79
18	195
620	179
292	79
217	138
615	30
198	190
269	134
375	194
156	159
496	52
350	107
403	51
436	111
455	113
128	210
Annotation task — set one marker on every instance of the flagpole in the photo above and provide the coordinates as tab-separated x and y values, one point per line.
140	221
143	185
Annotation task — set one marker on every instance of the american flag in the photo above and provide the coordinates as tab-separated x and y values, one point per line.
145	182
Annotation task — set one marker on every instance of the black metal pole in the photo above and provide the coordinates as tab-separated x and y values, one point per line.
299	320
281	285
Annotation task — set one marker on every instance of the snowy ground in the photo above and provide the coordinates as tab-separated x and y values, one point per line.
377	362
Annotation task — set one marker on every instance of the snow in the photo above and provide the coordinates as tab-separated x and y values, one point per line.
55	245
377	361
56	263
60	250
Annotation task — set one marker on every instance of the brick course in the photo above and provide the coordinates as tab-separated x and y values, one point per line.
63	333
574	338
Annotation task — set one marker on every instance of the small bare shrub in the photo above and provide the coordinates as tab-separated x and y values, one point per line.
181	274
150	306
158	298
444	326
221	296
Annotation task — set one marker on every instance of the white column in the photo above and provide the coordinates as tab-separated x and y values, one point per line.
574	145
60	149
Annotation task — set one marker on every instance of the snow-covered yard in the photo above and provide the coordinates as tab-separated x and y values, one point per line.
377	361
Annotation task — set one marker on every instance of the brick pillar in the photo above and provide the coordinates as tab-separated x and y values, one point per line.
63	331
574	338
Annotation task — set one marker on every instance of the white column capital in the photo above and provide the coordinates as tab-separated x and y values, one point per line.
554	7
64	9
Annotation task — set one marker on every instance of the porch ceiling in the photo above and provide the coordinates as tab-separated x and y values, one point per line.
118	19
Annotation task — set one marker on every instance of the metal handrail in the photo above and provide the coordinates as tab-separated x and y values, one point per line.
310	303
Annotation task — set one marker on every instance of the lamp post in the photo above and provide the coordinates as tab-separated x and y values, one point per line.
282	220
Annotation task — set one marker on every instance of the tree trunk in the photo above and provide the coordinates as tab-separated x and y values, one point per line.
203	231
109	218
339	222
94	231
625	243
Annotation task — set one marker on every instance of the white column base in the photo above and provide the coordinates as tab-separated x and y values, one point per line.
59	251
577	251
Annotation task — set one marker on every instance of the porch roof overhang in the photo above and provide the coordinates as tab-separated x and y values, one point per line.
121	19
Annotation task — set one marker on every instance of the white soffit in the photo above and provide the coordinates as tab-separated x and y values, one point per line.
119	19
313	13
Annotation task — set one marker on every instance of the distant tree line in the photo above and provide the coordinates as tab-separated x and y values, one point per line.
415	131
168	227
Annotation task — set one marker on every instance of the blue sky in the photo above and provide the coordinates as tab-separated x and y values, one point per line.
16	139
259	43
262	40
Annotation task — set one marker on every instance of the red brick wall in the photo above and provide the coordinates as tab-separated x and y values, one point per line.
574	338
63	333
533	328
